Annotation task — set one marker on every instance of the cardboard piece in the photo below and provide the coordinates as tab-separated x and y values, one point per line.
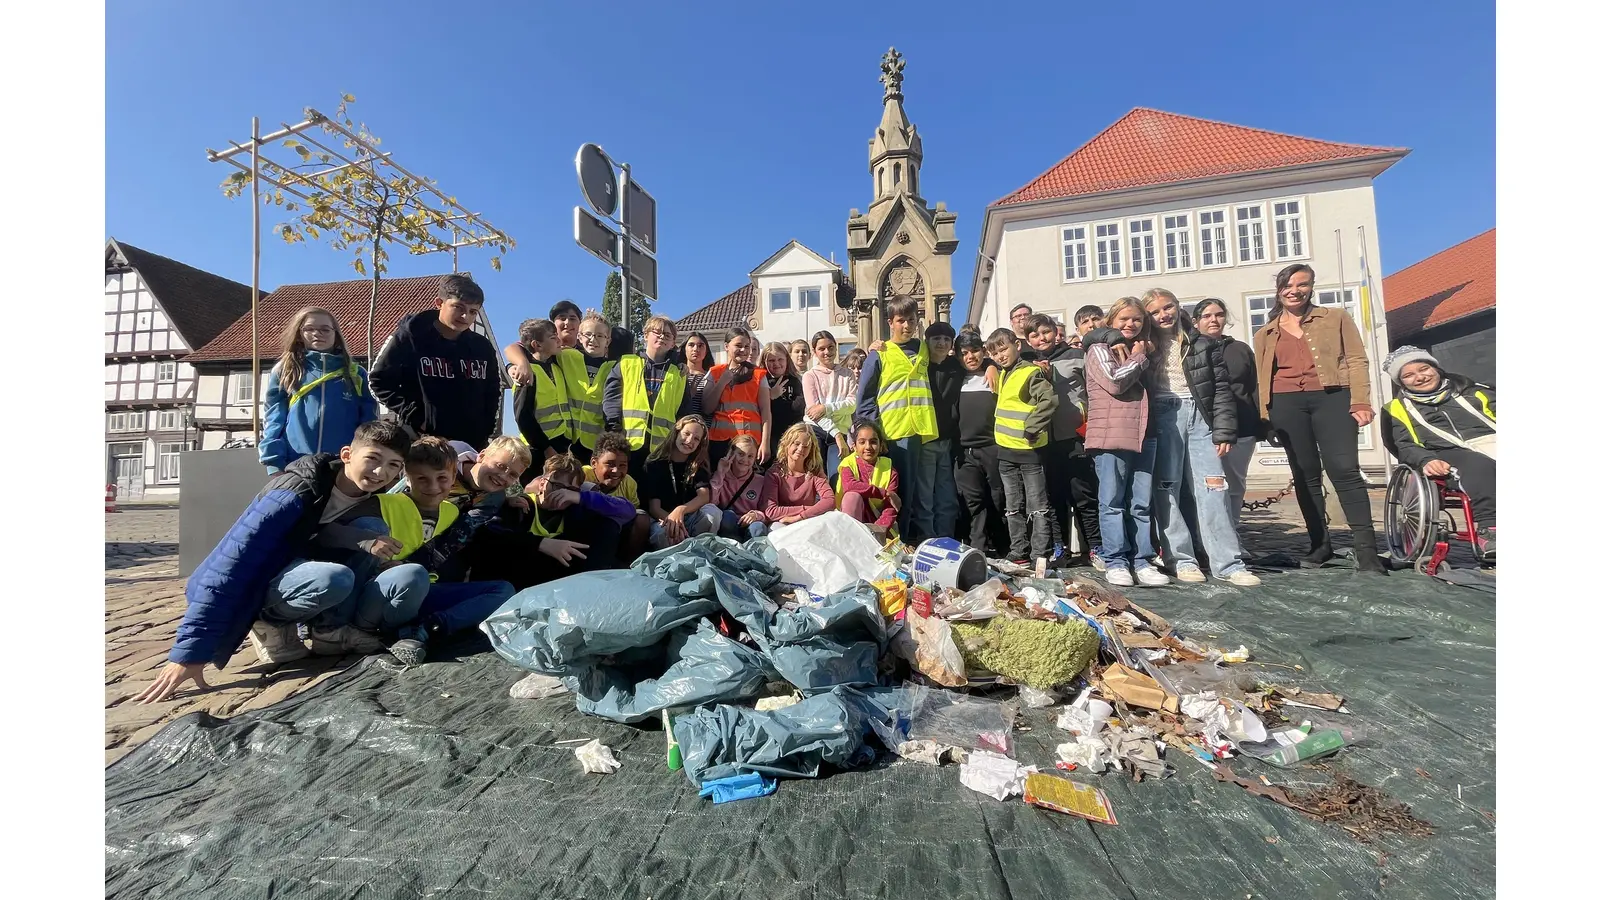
1137	689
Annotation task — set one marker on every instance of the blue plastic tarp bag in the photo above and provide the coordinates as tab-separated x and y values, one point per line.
702	666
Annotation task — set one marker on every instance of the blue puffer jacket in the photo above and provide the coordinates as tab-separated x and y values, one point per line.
226	592
322	421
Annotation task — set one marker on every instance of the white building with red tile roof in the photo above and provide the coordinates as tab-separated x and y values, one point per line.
1201	208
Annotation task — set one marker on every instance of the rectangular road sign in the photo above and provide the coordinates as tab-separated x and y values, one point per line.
593	236
639	212
641	273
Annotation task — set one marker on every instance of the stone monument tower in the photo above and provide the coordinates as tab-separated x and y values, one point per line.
899	246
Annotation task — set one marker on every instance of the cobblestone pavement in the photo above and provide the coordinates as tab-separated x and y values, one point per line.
144	602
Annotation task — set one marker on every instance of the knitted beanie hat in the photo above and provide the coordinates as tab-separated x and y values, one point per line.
1397	360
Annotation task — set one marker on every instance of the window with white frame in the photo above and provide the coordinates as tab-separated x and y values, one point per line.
125	421
1347	299
1142	246
1252	233
1075	253
1259	307
244	390
1288	229
167	461
166	372
1175	234
811	298
778	300
167	420
1108	250
1213	238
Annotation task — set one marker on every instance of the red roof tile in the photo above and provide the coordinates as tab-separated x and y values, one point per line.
1149	147
346	300
1444	287
721	314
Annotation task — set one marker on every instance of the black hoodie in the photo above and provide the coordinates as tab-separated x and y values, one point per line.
449	388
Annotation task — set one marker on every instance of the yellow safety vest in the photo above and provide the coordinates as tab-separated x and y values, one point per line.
1397	408
537	526
351	370
905	401
550	402
639	417
400	513
881	471
1010	411
584	396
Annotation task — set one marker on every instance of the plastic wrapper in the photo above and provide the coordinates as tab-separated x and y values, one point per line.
982	602
935	653
960	720
597	758
828	553
537	687
1199	677
1033	698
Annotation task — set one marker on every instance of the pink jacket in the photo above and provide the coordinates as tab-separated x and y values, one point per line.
723	486
1119	411
796	495
852	483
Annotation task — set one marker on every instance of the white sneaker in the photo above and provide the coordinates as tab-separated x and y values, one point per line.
1244	578
1095	560
1190	574
1149	576
1119	577
277	644
344	639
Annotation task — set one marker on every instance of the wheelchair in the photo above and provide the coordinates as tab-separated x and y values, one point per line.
1418	521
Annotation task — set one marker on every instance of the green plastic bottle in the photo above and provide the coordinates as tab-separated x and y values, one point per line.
1315	745
674	755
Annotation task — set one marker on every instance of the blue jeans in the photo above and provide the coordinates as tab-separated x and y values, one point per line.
936	485
459	606
315	592
705	520
391	598
1125	482
916	515
830	457
732	529
1183	438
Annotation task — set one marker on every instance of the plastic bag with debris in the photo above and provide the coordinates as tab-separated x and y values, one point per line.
933	649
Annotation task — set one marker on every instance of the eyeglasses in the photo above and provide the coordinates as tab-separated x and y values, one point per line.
316	330
658	332
592	335
502	468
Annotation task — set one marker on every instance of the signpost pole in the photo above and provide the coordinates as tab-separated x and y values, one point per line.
622	244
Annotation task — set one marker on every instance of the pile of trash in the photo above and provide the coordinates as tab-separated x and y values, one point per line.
816	647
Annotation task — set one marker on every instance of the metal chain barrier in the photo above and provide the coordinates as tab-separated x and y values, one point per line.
1263	504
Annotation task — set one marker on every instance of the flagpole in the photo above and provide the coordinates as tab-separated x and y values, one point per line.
1380	381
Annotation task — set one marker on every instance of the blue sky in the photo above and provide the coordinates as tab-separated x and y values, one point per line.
750	124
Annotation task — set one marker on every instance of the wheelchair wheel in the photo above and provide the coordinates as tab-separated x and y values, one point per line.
1410	515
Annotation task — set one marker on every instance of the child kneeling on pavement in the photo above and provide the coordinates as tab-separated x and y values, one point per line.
261	581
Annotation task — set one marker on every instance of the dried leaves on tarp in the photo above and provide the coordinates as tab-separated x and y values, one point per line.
1365	812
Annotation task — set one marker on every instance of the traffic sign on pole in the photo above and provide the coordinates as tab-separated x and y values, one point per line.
593	236
597	178
641	272
639	211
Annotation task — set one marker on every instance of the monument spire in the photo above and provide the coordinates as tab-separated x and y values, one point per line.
895	151
893	66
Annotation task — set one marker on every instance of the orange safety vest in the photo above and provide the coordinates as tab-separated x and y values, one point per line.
739	410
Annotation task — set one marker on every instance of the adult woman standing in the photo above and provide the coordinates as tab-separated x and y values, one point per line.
787	396
696	365
1210	319
1315	393
1192	415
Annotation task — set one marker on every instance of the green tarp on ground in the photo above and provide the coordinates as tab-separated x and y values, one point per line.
430	782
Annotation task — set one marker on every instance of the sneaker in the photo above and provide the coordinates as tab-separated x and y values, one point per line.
277	644
1488	546
344	639
1119	577
412	647
1095	560
1149	576
1244	578
1190	574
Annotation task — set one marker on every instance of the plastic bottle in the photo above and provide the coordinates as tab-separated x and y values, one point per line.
674	754
1315	745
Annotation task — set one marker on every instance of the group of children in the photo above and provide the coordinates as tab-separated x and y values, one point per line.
619	452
